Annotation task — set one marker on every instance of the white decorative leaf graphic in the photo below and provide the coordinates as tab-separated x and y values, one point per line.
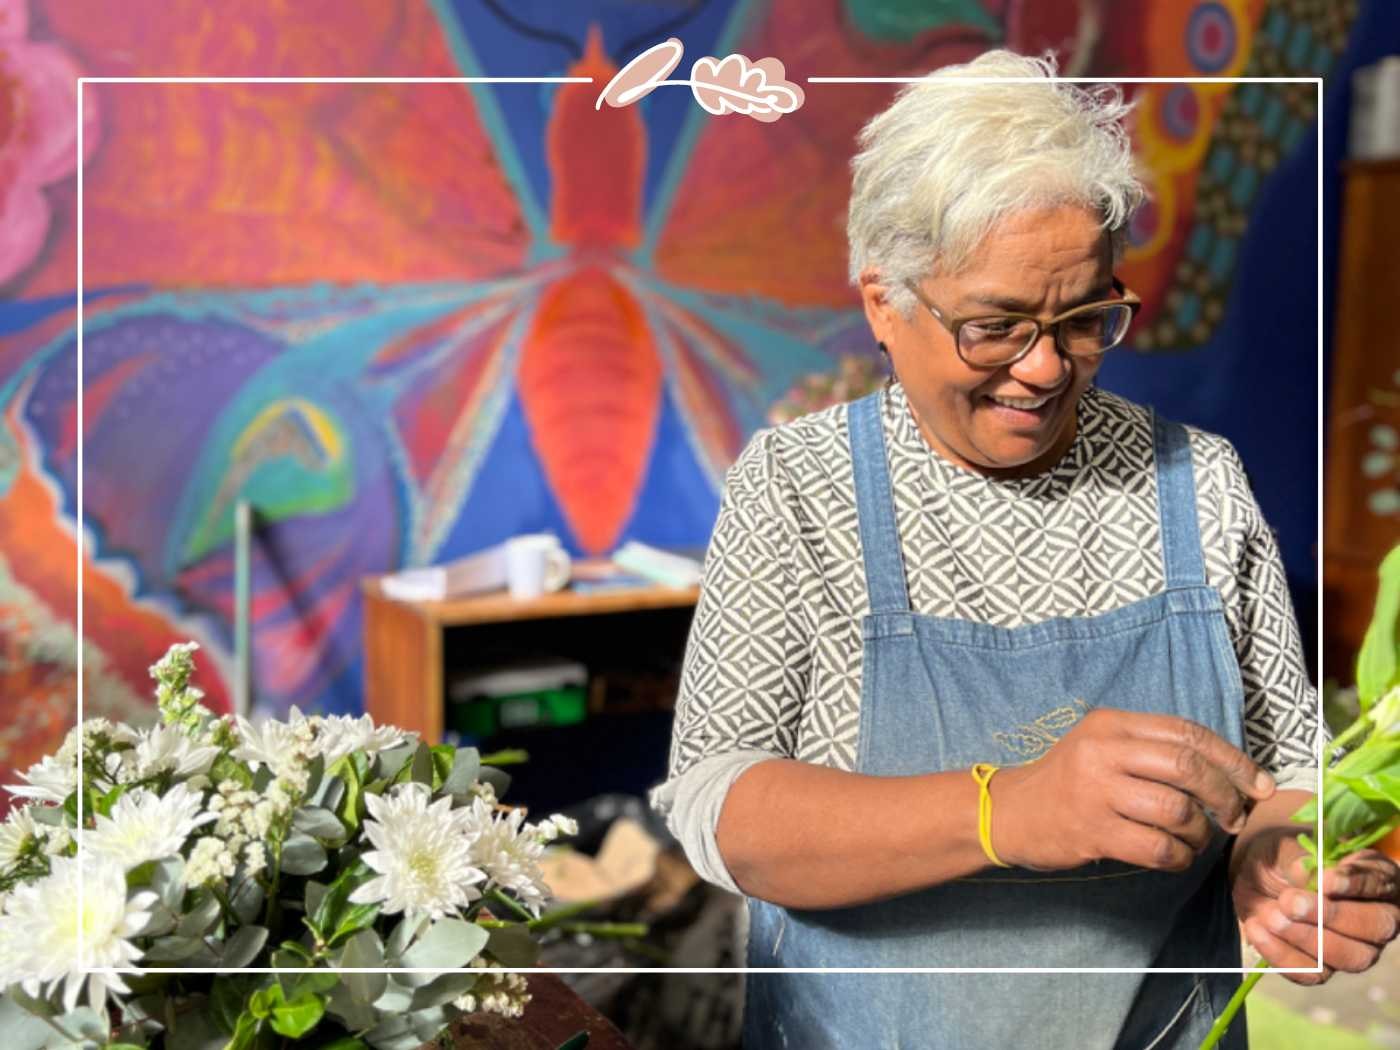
643	75
735	85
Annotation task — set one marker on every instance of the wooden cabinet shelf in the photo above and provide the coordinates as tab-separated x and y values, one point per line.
409	646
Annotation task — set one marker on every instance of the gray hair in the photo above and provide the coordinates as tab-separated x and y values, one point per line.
947	160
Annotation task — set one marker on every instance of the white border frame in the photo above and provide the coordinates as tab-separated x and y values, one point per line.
83	81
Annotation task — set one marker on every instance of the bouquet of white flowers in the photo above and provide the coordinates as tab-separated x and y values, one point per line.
212	847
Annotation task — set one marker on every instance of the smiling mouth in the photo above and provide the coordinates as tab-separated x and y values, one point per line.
1023	404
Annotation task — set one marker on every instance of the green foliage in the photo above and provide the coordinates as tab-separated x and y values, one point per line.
1378	663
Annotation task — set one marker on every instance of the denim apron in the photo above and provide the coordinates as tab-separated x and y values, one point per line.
941	694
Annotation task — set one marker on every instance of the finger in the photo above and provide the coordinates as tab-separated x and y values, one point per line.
1339	952
1156	805
1281	954
1189	770
1374	922
1147	847
1243	774
1364	876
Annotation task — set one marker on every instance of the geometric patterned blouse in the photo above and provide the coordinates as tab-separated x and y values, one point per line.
773	664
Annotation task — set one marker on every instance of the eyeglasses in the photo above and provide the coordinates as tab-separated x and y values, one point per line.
991	340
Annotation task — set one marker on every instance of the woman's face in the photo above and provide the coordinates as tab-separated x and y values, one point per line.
1039	262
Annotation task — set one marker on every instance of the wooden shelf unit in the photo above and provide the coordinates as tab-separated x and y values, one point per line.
406	648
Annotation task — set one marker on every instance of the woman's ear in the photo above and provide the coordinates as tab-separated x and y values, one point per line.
879	314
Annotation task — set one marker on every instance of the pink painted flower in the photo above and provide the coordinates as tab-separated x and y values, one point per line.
38	134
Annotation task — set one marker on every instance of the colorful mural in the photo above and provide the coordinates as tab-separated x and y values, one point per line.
408	320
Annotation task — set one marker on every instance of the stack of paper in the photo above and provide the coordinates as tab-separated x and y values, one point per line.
663	567
483	571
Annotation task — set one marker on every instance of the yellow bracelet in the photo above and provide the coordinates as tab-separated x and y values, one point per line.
982	772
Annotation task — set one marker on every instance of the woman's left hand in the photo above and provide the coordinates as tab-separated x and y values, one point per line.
1360	907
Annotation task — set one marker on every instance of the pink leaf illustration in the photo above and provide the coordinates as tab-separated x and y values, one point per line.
736	85
643	75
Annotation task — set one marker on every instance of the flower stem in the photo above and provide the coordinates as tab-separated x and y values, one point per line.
1222	1023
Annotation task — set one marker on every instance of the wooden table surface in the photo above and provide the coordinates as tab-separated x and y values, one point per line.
554	1013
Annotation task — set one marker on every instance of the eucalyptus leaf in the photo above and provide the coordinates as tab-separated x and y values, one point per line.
398	994
331	792
52	816
302	855
353	1015
313	895
200	919
391	760
466	763
364	949
243	947
403	934
248	900
197	1030
497	778
448	944
444	988
174	949
513	946
320	824
168	880
422	769
23	1030
428	1023
315	774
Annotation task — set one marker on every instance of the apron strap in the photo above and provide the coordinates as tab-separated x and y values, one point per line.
1176	505
879	535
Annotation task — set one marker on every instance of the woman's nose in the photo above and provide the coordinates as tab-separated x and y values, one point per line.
1043	365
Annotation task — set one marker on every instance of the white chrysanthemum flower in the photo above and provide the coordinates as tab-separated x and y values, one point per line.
145	826
340	735
283	747
422	855
163	749
49	780
18	834
509	850
39	931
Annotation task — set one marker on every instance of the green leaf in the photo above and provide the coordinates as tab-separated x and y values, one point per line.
228	997
448	944
243	947
1376	787
290	955
364	950
296	1018
1379	658
355	918
320	824
245	1032
309	982
577	1041
443	756
351	807
226	767
302	855
335	902
106	801
346	1042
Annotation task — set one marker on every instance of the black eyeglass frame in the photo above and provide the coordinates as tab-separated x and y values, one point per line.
955	325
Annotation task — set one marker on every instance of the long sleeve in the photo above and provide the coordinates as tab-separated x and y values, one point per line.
1280	710
746	661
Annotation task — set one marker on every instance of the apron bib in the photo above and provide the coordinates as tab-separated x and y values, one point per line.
941	694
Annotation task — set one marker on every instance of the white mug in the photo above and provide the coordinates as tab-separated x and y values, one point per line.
535	565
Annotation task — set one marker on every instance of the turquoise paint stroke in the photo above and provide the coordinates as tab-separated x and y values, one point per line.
496	128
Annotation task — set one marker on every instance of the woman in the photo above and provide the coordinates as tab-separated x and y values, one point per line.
995	564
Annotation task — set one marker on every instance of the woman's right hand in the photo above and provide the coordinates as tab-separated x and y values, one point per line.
1126	786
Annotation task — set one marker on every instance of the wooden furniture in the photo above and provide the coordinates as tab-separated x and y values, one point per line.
553	1015
1365	408
409	646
